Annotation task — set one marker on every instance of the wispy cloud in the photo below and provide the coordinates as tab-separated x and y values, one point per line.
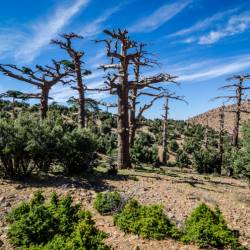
45	30
95	27
206	23
10	39
235	25
224	67
159	17
62	93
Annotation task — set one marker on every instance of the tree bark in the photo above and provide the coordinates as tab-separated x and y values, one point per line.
221	139
237	116
44	101
81	94
206	134
123	157
132	118
164	135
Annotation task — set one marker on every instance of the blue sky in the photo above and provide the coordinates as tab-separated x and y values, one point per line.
201	41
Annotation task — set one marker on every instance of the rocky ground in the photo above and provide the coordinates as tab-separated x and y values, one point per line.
179	192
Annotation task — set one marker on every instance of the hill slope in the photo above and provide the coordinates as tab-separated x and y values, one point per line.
178	192
213	117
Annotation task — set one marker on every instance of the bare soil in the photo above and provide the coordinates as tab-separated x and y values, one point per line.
179	192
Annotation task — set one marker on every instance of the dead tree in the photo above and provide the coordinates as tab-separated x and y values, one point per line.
43	77
122	52
167	96
239	97
141	60
206	133
77	66
221	137
165	131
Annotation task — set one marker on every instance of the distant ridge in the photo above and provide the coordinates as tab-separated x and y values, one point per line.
213	117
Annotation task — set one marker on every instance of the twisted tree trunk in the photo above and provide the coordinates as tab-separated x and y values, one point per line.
44	101
132	118
123	157
237	116
165	132
221	139
81	94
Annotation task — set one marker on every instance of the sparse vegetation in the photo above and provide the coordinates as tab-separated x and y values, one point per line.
80	146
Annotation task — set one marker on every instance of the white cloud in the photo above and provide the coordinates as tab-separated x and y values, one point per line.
235	25
201	25
219	68
159	17
45	30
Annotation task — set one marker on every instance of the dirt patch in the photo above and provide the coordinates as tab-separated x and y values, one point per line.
179	192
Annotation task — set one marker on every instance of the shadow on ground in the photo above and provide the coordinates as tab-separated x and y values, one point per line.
91	181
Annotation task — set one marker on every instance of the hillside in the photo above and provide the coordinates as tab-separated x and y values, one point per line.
177	191
213	117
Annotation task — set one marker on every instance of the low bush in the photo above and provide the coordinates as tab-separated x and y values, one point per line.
144	149
207	227
57	224
147	221
240	159
107	202
173	146
106	143
205	161
182	159
191	145
77	151
29	145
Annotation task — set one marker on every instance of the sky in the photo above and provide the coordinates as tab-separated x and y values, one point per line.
203	42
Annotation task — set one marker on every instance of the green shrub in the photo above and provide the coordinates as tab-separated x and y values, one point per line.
240	159
173	146
57	224
206	161
106	127
107	143
107	202
147	221
182	159
144	149
28	145
77	151
207	227
191	145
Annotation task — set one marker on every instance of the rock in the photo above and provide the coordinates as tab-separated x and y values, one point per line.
1	243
